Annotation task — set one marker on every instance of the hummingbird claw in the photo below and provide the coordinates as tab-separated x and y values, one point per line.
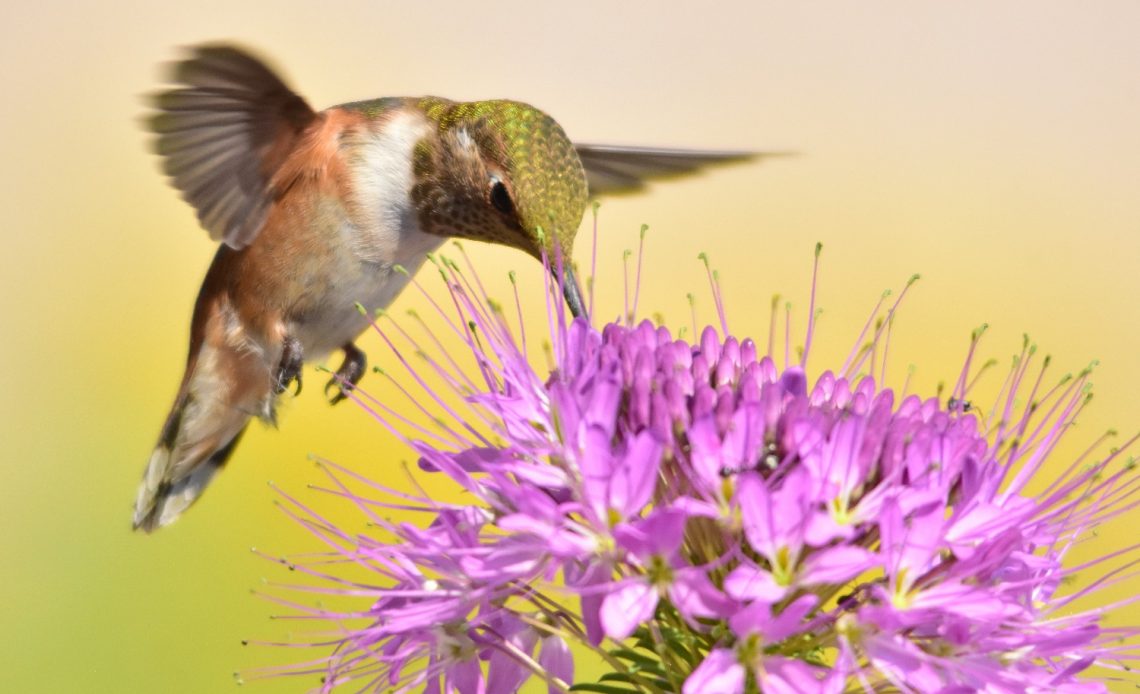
340	393
289	370
348	375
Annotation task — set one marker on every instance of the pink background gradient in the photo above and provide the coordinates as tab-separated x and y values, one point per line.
995	148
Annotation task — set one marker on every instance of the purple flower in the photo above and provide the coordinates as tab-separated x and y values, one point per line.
709	519
654	546
756	627
774	525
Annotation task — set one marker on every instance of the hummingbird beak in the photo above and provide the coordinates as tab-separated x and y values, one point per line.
571	291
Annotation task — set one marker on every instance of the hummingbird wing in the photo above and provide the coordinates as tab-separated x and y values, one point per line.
617	169
223	133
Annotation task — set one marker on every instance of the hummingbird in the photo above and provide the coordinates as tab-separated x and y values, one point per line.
319	212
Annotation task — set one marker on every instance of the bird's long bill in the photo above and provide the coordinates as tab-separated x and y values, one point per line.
571	290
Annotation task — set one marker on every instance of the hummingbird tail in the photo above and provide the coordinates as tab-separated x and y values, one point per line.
161	499
224	387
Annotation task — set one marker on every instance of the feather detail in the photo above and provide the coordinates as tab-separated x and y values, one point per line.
227	382
616	169
224	133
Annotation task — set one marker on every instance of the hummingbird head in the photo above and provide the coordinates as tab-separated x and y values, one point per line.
504	172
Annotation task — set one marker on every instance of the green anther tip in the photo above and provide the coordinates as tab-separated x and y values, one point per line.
360	307
644	228
511	276
886	293
596	205
400	269
703	257
913	278
540	234
818	248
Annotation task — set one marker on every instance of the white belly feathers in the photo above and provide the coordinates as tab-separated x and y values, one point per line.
380	232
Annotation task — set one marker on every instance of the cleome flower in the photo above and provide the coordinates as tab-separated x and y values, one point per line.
706	517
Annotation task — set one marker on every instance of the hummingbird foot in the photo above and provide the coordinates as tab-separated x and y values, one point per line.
348	375
289	370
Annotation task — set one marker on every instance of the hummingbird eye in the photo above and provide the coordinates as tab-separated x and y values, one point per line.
500	198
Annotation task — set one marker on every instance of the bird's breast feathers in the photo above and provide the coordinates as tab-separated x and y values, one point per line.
378	232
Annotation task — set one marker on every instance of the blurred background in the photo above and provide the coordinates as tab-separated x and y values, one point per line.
994	150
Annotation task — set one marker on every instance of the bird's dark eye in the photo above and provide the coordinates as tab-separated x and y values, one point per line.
500	198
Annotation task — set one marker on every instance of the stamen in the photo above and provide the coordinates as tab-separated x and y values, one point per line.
857	348
593	258
771	326
811	306
959	394
637	282
714	283
890	314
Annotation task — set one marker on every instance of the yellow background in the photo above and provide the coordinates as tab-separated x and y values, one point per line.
993	147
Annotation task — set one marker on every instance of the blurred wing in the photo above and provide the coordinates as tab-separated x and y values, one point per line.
223	133
615	169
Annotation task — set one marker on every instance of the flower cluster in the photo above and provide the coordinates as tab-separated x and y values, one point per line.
710	522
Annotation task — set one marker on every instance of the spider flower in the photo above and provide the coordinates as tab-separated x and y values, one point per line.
709	517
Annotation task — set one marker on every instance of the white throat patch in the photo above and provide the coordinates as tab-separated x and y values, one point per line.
386	228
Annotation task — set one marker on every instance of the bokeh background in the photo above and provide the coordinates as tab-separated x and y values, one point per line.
995	148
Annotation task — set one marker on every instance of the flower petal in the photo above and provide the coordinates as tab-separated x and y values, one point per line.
718	673
634	477
789	676
836	565
556	659
695	596
627	607
749	583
